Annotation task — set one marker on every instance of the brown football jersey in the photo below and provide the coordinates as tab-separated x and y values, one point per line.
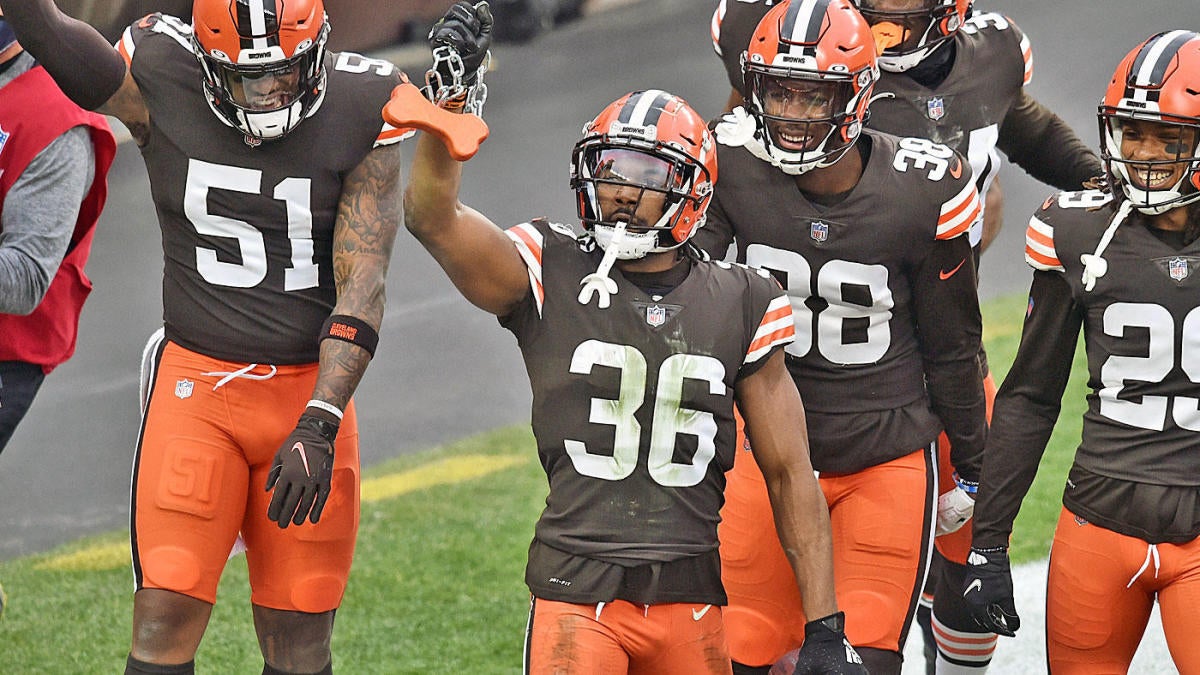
1136	470
883	291
247	230
633	403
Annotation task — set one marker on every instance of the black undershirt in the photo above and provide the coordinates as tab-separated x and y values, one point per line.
661	283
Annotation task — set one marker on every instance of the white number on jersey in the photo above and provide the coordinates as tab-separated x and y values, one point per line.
922	153
293	192
831	282
1151	411
356	63
670	418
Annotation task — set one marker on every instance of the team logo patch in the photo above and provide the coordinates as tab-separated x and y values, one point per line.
184	387
818	231
656	315
936	108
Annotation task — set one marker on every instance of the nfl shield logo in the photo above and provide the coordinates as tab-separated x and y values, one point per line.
183	388
937	108
1178	268
3	139
656	316
818	231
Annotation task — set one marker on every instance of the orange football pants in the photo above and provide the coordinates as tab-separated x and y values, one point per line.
882	519
1101	589
619	637
200	475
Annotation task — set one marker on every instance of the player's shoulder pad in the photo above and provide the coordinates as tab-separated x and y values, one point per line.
152	25
1041	250
1010	40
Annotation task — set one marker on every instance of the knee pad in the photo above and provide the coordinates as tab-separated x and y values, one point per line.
171	568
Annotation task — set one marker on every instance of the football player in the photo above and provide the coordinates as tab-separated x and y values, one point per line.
276	183
870	235
956	77
1122	267
636	351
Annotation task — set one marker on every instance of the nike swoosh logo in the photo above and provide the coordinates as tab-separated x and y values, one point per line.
696	616
956	170
975	586
299	447
944	275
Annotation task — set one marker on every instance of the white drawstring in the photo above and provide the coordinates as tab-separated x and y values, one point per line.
598	282
1094	265
240	372
599	608
1151	552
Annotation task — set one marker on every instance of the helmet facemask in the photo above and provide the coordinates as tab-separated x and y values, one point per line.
1162	178
906	37
261	90
807	122
638	189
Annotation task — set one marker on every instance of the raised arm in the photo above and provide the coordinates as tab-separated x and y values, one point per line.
83	64
478	257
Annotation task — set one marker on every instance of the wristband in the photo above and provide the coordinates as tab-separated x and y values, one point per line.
966	486
350	329
327	407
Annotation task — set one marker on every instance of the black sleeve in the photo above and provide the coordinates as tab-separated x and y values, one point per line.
715	236
951	328
85	66
1041	143
1027	407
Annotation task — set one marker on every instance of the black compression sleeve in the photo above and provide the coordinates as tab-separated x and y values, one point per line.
950	327
81	61
1027	407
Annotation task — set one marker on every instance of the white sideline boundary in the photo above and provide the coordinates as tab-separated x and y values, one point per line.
1026	653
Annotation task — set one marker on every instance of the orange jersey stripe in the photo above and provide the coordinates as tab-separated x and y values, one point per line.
781	334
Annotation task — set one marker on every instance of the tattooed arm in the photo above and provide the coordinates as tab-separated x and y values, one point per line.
368	218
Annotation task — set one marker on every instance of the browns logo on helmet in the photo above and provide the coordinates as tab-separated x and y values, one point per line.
263	62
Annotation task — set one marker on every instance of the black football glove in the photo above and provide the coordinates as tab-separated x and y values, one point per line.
302	472
825	651
988	591
466	28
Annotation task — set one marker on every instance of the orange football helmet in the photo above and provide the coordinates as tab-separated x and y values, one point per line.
911	30
1158	82
809	72
651	141
263	62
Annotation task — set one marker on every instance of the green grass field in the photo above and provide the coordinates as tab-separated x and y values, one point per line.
437	581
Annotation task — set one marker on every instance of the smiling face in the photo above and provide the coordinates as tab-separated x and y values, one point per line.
1157	155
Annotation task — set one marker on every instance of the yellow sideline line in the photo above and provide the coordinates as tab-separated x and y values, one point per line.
445	472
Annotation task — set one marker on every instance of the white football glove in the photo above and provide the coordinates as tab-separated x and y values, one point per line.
955	508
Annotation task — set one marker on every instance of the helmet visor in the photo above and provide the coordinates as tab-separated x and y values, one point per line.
629	185
801	114
262	89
